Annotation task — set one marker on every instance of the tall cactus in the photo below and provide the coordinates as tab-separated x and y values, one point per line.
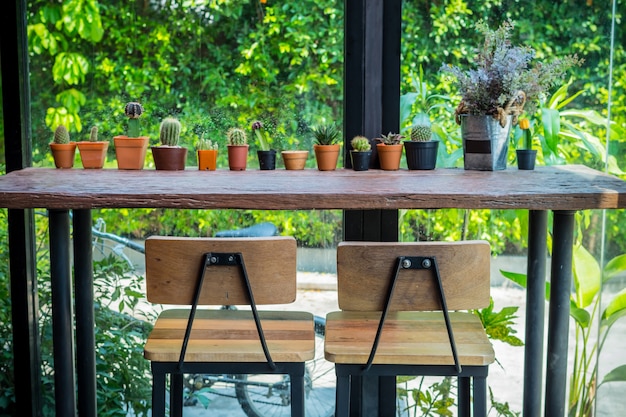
93	134
236	136
61	135
169	132
133	110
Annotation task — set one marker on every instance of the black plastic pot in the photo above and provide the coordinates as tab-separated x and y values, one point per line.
267	159
526	159
421	155
360	160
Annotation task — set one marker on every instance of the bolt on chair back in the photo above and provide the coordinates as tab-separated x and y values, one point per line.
403	313
224	272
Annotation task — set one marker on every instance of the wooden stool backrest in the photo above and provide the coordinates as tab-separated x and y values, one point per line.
364	271
173	265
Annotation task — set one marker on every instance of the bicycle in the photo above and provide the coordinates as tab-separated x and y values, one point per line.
258	395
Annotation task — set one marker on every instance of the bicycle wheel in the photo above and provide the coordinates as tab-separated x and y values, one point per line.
269	395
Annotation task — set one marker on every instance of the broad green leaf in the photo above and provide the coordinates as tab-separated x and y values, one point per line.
615	309
406	105
580	315
614	267
616	375
551	122
70	67
521	280
587	276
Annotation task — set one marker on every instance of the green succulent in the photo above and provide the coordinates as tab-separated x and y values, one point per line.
391	138
206	145
236	136
133	110
169	132
361	144
326	134
61	135
421	133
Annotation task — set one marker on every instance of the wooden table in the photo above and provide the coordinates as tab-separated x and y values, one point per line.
562	189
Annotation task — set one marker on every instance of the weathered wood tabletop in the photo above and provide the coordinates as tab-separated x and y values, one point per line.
570	187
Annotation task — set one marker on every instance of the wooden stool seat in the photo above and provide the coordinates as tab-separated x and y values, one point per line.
231	336
408	338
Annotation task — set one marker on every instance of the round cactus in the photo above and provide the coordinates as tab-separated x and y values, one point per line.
421	133
360	144
236	136
93	134
61	135
169	132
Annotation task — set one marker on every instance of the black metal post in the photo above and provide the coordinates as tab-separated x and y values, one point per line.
62	325
535	311
22	254
558	322
85	321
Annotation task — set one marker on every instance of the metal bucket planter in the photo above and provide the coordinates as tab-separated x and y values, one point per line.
485	142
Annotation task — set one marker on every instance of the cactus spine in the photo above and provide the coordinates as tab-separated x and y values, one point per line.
236	136
421	133
169	132
61	135
93	134
360	144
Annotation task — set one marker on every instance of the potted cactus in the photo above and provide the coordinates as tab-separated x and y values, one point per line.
421	150
389	148
169	156
207	154
526	157
93	152
237	149
130	150
361	153
63	150
267	156
326	146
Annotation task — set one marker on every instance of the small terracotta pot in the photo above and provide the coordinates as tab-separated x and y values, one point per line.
389	156
169	158
237	157
130	152
294	160
63	154
207	159
326	156
93	154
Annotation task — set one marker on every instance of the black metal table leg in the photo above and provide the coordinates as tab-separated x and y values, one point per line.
535	311
85	322
62	318
558	322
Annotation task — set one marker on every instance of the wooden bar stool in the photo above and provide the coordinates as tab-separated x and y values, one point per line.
397	319
213	271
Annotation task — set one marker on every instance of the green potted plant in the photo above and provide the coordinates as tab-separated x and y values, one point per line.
63	150
526	157
421	150
267	156
494	93
169	156
207	154
93	152
360	153
130	150
237	149
326	146
389	148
